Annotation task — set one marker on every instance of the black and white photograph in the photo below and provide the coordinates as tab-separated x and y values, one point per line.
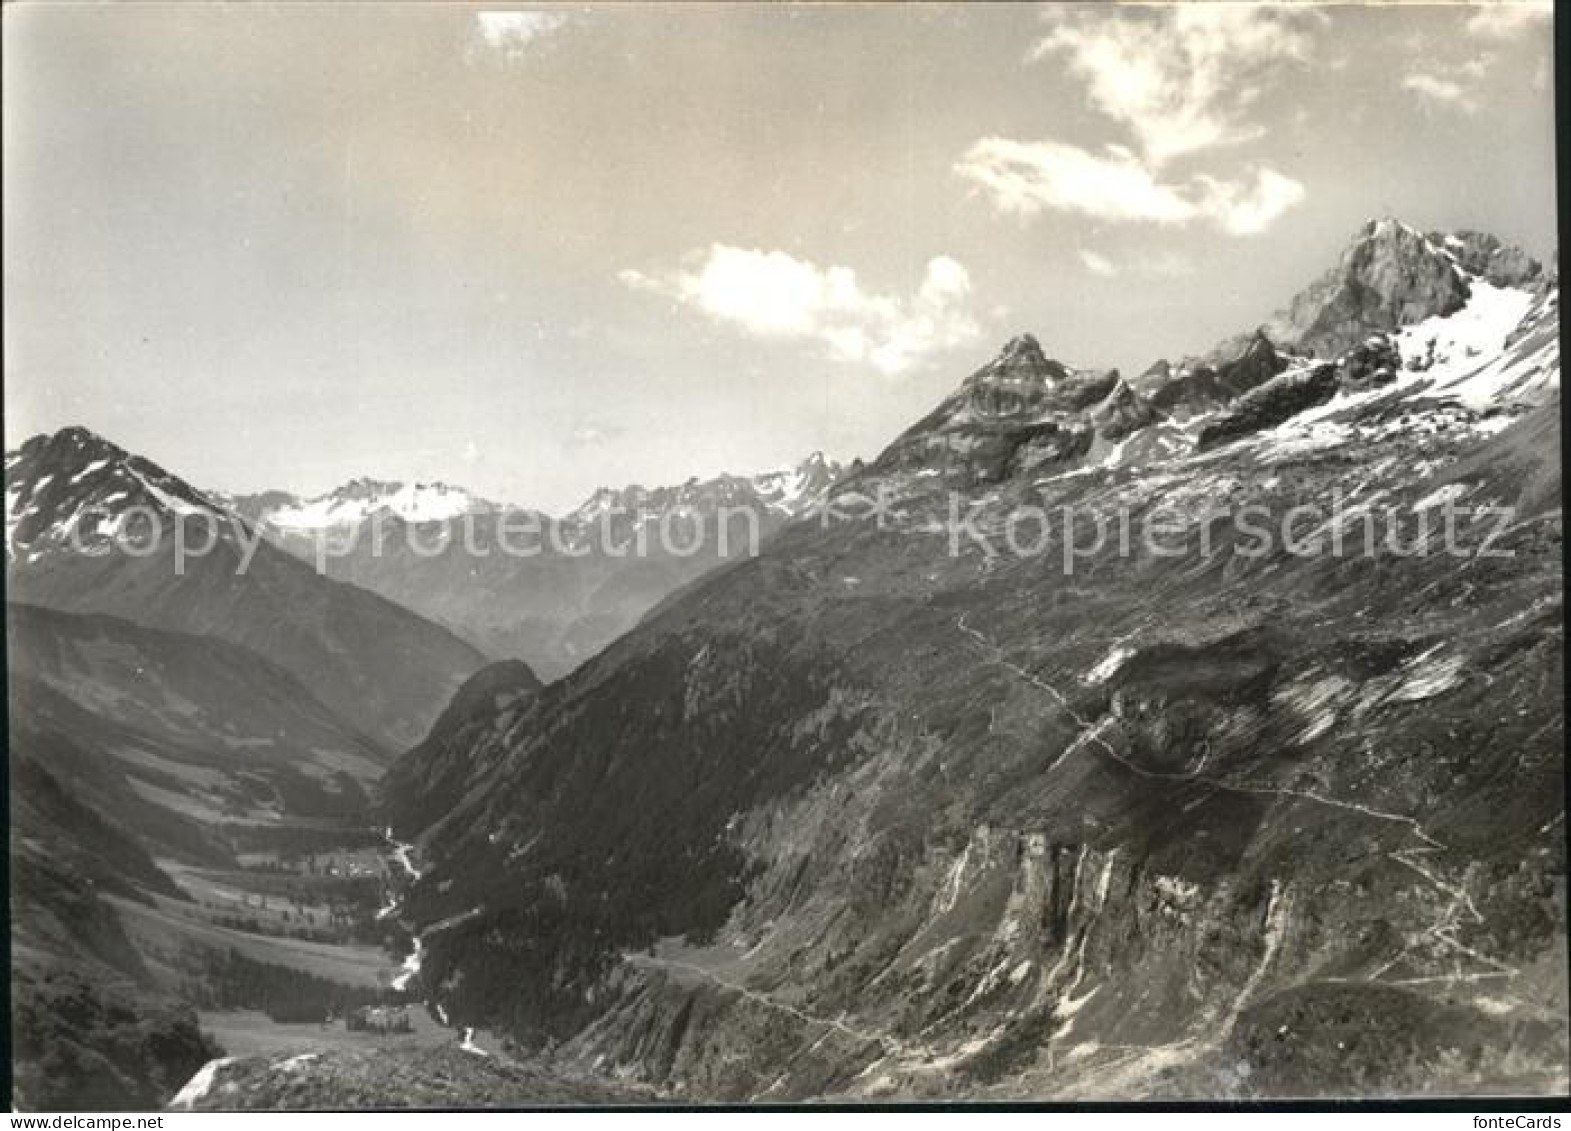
777	555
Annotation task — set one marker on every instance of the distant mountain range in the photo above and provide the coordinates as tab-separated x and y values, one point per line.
591	575
579	581
354	502
171	713
382	668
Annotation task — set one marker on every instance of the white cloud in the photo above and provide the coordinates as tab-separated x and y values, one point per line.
1027	178
512	32
1444	91
1504	19
1098	264
1181	77
774	295
590	433
1248	209
1456	73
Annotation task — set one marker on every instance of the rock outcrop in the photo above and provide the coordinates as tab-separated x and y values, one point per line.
1236	367
1498	263
1272	403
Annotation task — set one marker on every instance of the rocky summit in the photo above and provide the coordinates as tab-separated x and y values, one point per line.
1390	276
851	555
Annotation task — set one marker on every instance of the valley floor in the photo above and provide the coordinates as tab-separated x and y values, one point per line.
297	955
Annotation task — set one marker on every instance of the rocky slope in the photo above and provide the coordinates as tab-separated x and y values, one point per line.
1390	276
432	778
164	712
88	1029
73	497
193	731
953	795
88	1041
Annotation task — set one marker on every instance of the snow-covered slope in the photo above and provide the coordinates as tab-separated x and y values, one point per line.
355	502
75	488
92	528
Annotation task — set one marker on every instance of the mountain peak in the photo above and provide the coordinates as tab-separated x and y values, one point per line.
1390	276
1023	346
79	435
72	443
363	487
1388	227
1021	365
787	491
359	498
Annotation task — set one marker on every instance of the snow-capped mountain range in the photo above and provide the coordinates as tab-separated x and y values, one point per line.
787	491
77	484
75	490
76	478
68	495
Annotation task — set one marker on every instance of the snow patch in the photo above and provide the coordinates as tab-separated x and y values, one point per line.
200	1084
1438	497
171	503
1464	353
411	967
1109	665
1429	675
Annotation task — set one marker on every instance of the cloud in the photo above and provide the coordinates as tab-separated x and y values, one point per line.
771	294
1505	19
1248	209
1158	265
1098	264
511	33
1026	178
1457	73
1181	77
1444	91
592	434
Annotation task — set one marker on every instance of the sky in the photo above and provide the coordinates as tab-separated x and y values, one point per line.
534	251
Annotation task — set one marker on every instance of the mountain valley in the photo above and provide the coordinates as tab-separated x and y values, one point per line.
965	784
